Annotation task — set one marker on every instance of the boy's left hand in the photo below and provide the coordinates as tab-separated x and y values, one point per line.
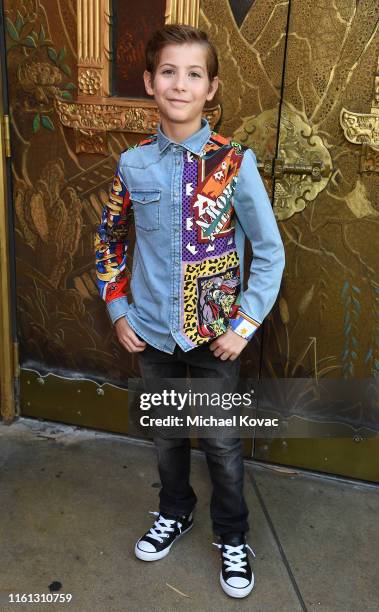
228	346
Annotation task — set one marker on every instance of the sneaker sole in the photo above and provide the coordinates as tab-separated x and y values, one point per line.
234	591
155	556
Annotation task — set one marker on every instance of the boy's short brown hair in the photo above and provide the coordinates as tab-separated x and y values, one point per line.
178	34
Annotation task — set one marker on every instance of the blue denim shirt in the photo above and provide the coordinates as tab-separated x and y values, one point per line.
194	203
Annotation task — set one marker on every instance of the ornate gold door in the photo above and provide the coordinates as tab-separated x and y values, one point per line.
326	200
298	85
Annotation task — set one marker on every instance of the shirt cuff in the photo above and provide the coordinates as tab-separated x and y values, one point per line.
243	325
117	308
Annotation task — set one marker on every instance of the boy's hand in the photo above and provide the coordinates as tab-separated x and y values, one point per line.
228	346
127	337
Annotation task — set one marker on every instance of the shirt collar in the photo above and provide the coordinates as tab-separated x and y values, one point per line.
193	143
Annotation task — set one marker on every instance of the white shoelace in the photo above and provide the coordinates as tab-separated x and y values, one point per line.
162	527
234	556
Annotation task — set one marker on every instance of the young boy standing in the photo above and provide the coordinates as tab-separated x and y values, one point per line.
196	195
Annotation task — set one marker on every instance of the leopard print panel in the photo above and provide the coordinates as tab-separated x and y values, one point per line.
211	290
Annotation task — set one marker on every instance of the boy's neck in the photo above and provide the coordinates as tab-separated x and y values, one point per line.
180	131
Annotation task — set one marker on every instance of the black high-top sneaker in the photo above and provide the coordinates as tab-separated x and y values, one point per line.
157	542
236	576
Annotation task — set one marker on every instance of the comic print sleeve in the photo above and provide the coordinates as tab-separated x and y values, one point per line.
254	212
111	249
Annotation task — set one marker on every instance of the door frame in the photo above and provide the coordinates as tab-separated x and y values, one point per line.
8	346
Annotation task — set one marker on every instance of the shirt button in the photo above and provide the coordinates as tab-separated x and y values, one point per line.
177	162
175	298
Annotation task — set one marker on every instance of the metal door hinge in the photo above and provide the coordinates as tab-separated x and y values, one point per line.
7	136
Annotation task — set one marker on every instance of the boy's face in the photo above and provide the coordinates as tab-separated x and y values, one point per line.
181	84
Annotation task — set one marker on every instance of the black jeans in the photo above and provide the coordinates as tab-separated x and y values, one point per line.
224	456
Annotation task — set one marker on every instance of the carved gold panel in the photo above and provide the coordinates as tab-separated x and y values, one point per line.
363	129
91	121
303	166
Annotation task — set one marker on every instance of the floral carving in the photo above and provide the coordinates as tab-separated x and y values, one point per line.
89	81
49	217
41	80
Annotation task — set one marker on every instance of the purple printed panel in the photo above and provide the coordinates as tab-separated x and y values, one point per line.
192	250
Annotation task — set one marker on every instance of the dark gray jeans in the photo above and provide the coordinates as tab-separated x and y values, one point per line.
224	456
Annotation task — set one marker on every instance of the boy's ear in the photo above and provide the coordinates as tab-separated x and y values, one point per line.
148	80
213	88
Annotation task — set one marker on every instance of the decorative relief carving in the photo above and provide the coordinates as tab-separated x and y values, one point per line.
369	159
376	91
363	129
306	167
130	117
89	81
40	81
212	115
303	166
93	21
106	117
90	142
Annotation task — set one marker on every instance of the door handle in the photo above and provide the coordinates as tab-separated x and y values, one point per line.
278	167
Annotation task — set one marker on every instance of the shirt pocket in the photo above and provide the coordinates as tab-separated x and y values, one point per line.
146	208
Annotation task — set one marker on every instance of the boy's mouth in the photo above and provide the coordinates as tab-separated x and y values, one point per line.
175	100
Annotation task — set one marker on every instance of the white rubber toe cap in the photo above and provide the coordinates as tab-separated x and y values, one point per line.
237	582
237	587
146	546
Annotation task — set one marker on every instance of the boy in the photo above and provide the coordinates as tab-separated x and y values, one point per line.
195	196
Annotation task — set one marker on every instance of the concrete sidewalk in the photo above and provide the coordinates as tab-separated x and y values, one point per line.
74	501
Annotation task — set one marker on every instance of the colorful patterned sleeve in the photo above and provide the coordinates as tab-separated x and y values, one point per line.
254	211
111	249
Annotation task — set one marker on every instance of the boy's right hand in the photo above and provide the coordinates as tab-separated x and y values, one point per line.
127	337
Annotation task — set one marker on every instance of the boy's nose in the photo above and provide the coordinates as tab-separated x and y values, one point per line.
179	83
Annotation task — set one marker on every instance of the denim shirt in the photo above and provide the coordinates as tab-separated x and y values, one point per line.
194	203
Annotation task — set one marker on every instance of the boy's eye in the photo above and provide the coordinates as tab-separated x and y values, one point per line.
170	71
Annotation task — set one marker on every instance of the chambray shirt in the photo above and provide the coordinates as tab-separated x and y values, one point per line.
155	179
